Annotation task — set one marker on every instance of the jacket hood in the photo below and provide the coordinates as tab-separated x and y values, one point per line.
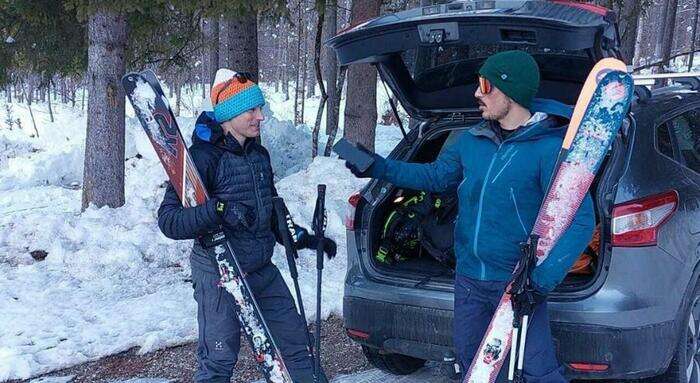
206	129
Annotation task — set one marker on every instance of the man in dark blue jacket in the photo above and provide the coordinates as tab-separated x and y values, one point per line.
501	168
237	173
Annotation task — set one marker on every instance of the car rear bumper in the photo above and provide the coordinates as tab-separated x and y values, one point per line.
628	353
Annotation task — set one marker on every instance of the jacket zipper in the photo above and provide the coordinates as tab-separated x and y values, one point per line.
475	247
258	202
517	211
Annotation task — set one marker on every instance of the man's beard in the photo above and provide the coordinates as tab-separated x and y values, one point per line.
499	113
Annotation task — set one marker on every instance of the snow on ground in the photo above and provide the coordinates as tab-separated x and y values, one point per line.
111	281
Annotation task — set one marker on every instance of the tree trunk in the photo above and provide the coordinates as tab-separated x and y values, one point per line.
298	87
242	47
361	101
629	22
669	31
311	76
8	93
285	68
335	111
211	35
48	90
278	68
319	77
303	74
223	43
178	97
329	63
63	91
665	41
103	178
30	97
694	36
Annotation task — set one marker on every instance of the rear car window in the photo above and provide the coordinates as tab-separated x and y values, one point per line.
438	67
679	138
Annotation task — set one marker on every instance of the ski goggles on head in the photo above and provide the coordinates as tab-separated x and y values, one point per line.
241	77
485	85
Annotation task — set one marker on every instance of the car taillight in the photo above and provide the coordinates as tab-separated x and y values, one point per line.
589	367
350	213
637	223
357	333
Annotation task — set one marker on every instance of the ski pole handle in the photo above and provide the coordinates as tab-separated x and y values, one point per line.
283	221
320	211
319	224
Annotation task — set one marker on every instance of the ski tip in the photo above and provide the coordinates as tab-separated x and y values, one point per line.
149	75
129	81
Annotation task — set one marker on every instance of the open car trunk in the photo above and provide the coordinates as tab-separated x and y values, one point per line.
419	248
429	57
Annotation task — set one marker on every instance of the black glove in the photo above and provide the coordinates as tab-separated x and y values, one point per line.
367	173
304	240
525	300
236	214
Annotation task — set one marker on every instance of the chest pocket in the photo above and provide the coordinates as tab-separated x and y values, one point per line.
507	166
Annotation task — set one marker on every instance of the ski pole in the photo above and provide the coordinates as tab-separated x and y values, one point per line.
522	284
319	226
285	227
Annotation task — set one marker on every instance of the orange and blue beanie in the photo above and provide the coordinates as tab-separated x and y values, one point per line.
230	97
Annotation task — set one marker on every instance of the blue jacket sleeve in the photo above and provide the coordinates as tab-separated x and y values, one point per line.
567	250
178	222
442	174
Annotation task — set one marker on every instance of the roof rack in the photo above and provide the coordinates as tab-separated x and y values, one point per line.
683	81
689	79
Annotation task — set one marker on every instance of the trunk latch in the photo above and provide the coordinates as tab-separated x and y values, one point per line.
438	33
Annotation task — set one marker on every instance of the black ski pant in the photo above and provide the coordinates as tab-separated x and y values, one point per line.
219	330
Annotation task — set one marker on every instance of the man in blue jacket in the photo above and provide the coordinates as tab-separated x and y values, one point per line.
501	168
236	171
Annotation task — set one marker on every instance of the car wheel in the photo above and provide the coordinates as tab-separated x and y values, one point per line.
685	365
395	364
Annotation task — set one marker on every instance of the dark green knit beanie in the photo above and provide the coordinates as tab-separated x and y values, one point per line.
515	73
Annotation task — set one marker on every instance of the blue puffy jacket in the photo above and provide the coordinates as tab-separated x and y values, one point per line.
500	186
231	172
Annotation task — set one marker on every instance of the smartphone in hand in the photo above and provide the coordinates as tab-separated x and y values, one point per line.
350	153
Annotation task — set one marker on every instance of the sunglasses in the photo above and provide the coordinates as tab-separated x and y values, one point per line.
484	85
241	77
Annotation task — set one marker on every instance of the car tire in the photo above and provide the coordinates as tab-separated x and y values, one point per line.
685	365
395	364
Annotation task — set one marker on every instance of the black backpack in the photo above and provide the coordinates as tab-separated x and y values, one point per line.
420	219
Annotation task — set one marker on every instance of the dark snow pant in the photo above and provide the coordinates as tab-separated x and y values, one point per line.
219	330
474	306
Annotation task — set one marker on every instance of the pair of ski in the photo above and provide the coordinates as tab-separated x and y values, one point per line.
153	111
601	107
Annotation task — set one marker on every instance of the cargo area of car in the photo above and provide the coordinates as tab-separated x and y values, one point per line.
420	248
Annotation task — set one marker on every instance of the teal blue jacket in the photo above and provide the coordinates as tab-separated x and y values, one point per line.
500	186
